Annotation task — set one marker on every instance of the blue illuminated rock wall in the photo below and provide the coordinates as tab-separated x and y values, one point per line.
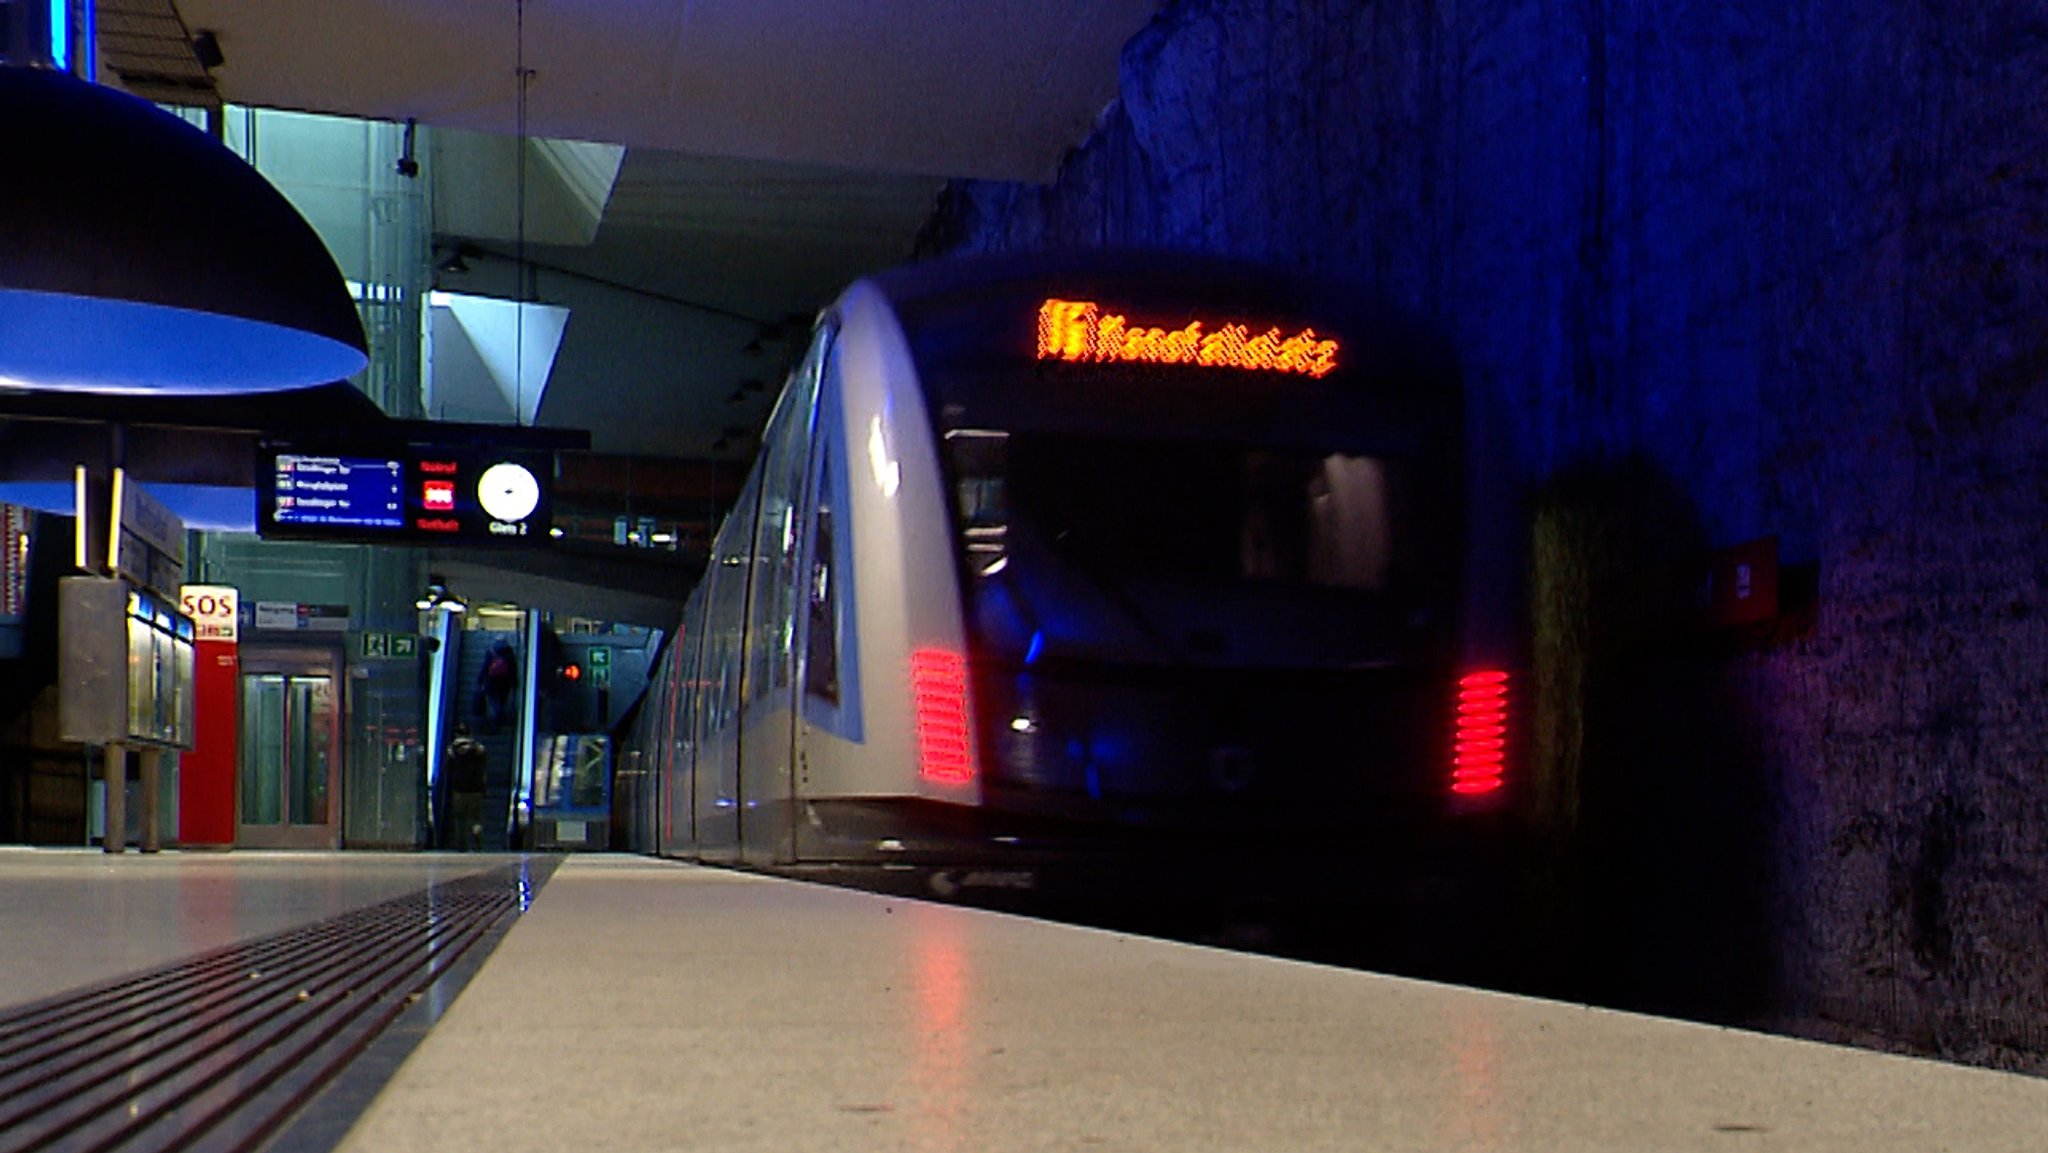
1794	256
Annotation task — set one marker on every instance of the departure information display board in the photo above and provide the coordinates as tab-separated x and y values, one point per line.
419	494
350	491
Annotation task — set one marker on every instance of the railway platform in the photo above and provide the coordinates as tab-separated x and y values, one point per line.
452	1003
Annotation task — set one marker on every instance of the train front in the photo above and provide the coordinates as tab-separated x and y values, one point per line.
1211	544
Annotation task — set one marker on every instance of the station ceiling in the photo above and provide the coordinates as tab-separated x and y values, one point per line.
774	150
732	165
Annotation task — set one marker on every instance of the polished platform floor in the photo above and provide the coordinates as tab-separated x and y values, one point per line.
73	917
645	1005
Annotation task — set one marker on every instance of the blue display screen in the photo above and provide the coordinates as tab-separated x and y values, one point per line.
341	491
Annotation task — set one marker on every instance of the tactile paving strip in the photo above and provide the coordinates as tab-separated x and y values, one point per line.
216	1054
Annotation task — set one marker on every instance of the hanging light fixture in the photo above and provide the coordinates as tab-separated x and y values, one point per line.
139	255
438	596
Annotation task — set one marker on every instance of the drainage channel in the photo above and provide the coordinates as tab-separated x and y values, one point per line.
224	1052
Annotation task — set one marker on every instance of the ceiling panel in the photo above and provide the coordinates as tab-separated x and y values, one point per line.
993	88
775	150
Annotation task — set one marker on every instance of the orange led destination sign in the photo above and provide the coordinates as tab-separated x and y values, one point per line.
1081	330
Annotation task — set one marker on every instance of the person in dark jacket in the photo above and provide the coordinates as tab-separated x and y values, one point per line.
466	761
499	676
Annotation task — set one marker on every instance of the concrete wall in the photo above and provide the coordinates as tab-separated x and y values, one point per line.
1737	268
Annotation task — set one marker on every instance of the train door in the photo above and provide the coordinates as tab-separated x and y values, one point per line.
768	750
289	759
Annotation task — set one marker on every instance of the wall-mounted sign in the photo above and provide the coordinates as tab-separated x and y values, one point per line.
145	535
453	495
213	610
121	529
1084	331
290	615
390	646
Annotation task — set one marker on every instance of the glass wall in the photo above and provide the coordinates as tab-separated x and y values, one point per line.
343	175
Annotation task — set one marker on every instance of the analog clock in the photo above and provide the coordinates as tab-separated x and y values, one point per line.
508	491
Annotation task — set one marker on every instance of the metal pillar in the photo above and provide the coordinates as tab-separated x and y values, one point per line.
152	765
114	770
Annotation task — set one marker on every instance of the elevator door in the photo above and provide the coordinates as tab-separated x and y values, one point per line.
290	761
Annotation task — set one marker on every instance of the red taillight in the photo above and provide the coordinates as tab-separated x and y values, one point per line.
945	742
1479	756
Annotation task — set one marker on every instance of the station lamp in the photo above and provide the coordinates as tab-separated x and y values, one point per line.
438	596
139	255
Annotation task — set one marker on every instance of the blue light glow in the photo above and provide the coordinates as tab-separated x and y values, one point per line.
60	34
1031	654
211	508
66	343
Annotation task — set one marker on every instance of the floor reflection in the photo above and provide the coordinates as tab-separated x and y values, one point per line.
942	1067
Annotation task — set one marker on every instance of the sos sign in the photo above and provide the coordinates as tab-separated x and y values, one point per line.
213	609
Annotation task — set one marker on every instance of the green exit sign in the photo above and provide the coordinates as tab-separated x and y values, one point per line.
390	646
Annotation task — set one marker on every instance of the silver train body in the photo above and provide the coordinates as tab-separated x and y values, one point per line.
1071	560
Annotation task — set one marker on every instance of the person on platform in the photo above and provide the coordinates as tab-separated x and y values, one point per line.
500	675
467	758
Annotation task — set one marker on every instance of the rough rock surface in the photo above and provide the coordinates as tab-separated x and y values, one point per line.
1789	256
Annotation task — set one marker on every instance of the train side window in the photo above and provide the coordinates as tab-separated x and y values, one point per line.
981	501
730	590
980	459
779	586
821	645
700	679
1322	522
767	634
677	697
718	675
1350	526
831	581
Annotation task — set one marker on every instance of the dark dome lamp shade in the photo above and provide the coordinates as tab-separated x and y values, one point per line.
139	255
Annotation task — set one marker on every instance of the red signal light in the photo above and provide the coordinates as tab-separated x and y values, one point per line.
945	741
572	672
1479	748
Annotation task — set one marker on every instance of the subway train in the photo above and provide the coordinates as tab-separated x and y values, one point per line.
1090	565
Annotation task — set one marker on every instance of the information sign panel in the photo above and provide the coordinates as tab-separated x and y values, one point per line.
415	494
345	491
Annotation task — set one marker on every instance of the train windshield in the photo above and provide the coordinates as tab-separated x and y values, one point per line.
1160	549
1206	513
1243	481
